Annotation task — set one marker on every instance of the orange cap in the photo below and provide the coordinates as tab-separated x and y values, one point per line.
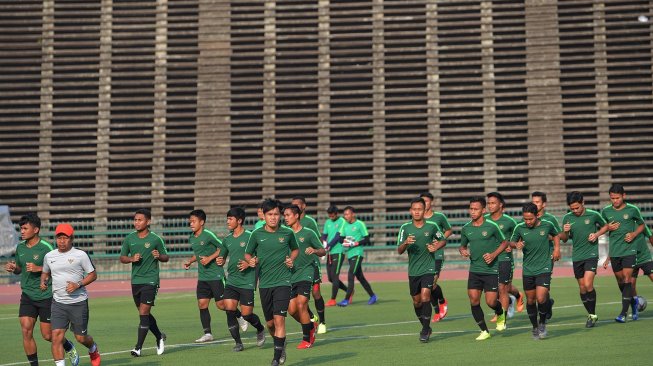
65	229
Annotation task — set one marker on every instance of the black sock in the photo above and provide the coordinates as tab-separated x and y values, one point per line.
154	328
479	317
531	309
418	312
205	318
238	313
278	346
498	309
33	359
232	323
310	313
143	328
437	295
583	299
319	306
254	320
67	345
426	315
591	301
626	297
306	331
542	309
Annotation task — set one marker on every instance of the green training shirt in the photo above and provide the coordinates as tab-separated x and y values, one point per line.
581	228
355	231
304	265
30	282
629	219
485	238
331	228
146	270
272	250
440	219
537	252
205	245
234	248
420	260
310	223
259	224
506	225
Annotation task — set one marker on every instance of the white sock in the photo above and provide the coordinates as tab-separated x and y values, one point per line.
60	363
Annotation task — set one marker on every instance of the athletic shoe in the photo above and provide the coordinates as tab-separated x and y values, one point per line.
511	306
550	313
95	357
321	328
494	318
304	345
520	302
73	356
160	344
424	336
343	303
238	347
635	314
315	319
591	320
436	318
208	337
373	299
260	338
542	330
331	302
620	319
501	322
274	363
536	334
443	309
136	352
243	324
282	359
483	336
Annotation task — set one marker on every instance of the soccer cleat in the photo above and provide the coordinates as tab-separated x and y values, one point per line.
304	345
208	337
343	303
282	359
591	321
238	347
620	319
501	322
483	336
95	357
73	356
436	318
311	334
243	324
511	307
635	314
542	331
520	302
260	338
424	336
494	318
331	302
160	344
536	334
550	313
136	352
274	363
373	299
444	307
321	328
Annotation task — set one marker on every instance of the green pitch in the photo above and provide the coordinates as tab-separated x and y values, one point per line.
383	334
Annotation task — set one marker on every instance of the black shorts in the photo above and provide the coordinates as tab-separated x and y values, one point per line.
541	280
480	281
274	301
586	265
438	266
144	294
301	288
317	276
73	315
647	269
35	308
506	269
210	289
417	283
619	263
242	295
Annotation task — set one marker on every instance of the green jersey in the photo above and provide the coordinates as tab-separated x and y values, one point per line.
234	247
331	228
259	224
272	248
146	270
420	260
537	252
581	228
643	253
310	223
440	219
304	265
30	282
506	225
205	245
485	238
354	232
629	218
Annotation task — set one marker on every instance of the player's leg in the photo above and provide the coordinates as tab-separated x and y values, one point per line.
230	305
358	272
205	319
350	281
491	288
542	295
474	289
57	346
29	344
78	315
308	328
531	303
319	300
627	264
280	301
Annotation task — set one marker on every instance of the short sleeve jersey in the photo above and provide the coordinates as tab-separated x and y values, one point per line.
234	249
355	231
304	265
629	218
146	270
64	267
581	228
204	245
272	248
259	224
441	220
310	223
485	238
506	225
537	252
331	228
30	282
420	260
643	253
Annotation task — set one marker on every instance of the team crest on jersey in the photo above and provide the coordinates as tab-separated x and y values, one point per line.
501	226
202	242
36	257
242	244
71	260
427	234
625	216
281	240
587	221
147	245
484	233
542	233
301	239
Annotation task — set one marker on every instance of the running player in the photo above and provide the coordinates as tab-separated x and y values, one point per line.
335	254
644	261
539	199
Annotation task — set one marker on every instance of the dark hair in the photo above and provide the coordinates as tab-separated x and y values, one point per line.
238	213
539	194
350	208
529	207
30	218
294	208
427	195
300	198
617	188
479	199
145	212
270	204
498	196
574	196
333	209
418	200
200	214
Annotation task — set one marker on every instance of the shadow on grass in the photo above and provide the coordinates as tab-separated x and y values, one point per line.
335	358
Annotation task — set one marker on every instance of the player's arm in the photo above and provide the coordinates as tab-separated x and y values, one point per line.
402	244
336	239
13	267
566	230
45	277
556	248
490	257
631	236
462	249
125	258
365	241
316	247
161	254
190	261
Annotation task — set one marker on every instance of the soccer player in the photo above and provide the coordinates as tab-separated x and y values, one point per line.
625	224
495	206
261	217
241	280
144	249
335	255
310	223
421	239
440	305
34	303
71	271
353	235
539	199
276	250
482	242
302	275
644	261
210	276
581	226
